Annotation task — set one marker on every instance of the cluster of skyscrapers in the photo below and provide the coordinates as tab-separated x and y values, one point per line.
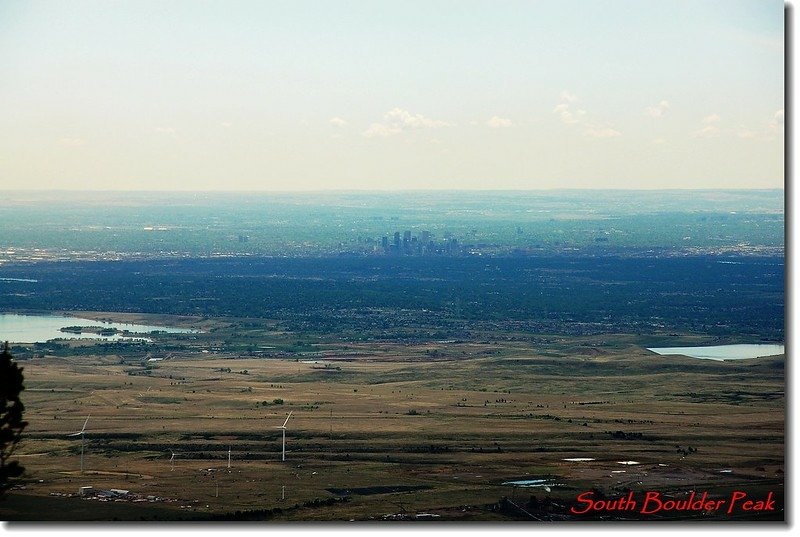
424	244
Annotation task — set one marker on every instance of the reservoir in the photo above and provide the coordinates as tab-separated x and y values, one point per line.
16	328
531	483
723	352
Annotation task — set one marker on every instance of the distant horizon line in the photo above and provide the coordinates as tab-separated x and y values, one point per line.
391	191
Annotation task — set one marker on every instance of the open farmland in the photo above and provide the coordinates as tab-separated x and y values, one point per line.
390	430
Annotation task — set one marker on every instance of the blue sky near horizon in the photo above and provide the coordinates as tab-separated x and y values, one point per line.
442	94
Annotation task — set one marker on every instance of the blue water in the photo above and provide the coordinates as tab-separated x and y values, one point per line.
723	352
531	483
16	328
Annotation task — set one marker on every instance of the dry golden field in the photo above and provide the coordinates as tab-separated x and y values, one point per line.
393	431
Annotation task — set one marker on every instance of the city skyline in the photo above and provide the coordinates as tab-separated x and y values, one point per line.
309	96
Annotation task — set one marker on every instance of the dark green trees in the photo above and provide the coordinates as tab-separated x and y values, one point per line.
11	422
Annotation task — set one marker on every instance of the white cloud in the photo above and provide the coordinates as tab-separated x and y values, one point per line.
711	128
776	125
564	111
165	130
398	120
499	122
226	124
378	130
567	116
416	121
578	117
714	127
601	132
658	110
658	141
337	122
568	97
709	131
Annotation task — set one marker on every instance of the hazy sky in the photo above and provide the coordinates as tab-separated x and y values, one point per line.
300	95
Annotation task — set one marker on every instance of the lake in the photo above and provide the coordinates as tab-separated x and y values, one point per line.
16	328
723	352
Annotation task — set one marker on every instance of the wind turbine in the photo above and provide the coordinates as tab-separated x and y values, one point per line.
283	430
172	461
83	438
229	456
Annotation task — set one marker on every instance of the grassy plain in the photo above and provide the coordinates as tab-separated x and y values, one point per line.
391	430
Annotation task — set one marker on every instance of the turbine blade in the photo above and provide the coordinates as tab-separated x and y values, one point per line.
84	423
74	434
287	418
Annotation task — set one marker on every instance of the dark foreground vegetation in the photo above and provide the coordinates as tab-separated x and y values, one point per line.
422	298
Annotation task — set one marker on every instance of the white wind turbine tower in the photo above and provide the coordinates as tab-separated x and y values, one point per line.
229	456
172	461
83	438
283	431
